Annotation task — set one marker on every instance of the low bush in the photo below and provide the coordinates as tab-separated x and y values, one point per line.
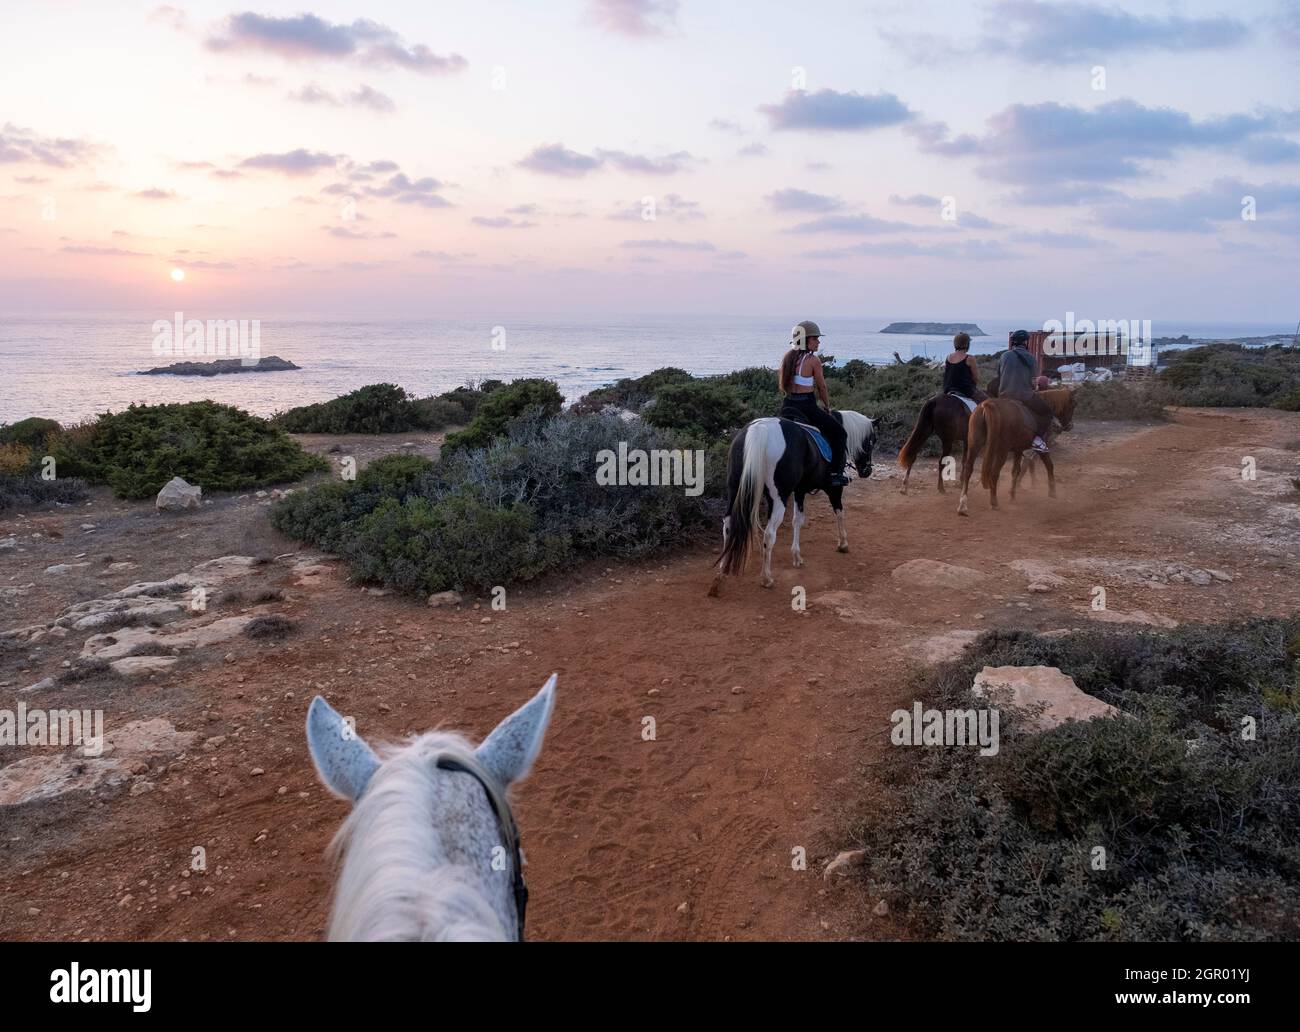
20	491
30	432
1119	399
219	447
523	505
632	392
704	410
1233	375
497	410
380	408
14	459
1197	816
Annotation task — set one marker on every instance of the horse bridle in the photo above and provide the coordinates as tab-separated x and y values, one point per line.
505	823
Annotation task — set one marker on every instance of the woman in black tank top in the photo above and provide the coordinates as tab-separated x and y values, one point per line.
958	373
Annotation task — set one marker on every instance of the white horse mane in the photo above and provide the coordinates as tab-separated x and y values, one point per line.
397	882
858	427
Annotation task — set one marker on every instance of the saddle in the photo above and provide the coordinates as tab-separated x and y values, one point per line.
970	403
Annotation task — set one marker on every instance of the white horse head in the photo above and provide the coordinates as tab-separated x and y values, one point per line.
428	852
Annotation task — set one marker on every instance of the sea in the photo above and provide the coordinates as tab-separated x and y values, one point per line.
74	366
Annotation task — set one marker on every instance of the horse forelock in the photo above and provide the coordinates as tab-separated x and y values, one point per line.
402	851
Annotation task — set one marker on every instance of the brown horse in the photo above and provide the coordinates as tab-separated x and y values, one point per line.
1000	427
943	415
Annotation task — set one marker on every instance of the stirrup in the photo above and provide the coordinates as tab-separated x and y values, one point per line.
838	480
1039	446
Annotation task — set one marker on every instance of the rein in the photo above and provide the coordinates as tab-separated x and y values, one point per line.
505	823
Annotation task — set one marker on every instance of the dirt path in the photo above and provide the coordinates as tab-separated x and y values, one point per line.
769	722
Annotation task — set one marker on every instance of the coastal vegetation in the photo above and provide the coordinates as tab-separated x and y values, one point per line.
219	447
1175	821
384	408
1225	374
524	503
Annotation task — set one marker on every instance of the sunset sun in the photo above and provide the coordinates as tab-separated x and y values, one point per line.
178	275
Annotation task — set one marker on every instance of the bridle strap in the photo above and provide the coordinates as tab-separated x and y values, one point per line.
505	823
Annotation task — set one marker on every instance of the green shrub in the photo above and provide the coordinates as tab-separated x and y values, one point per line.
758	387
1288	402
1232	375
1118	399
25	490
505	404
632	392
380	408
701	409
1199	839
456	542
219	447
327	513
524	505
15	459
31	432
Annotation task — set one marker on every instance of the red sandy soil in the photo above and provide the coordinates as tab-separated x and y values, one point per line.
772	725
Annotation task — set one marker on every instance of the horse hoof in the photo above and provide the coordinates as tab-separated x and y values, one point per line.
841	548
767	582
798	562
715	588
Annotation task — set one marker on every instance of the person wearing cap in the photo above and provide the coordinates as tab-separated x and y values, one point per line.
1017	369
803	384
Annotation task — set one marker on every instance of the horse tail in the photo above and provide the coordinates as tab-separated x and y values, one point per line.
764	443
920	434
992	443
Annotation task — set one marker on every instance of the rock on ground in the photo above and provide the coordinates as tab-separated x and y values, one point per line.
178	496
930	573
1027	686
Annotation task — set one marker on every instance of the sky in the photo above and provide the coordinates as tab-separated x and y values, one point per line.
605	157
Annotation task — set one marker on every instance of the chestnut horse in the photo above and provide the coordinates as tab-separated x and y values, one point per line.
943	415
1000	427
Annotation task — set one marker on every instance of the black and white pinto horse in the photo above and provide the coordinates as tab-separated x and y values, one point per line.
774	458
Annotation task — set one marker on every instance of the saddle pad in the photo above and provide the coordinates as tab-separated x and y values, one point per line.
822	445
968	402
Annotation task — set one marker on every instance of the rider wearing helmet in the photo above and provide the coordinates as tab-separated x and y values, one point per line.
803	383
1017	369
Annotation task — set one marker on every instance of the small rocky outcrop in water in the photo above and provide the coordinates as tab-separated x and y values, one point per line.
270	364
935	327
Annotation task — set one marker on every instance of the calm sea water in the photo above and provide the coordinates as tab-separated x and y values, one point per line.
73	367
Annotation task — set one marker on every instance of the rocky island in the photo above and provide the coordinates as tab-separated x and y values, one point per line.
270	364
935	327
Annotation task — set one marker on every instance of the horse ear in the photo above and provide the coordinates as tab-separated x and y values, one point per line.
344	762
509	751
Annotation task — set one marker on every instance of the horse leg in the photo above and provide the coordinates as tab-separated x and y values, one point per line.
1051	475
946	447
970	452
1017	471
993	480
769	535
835	495
797	520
